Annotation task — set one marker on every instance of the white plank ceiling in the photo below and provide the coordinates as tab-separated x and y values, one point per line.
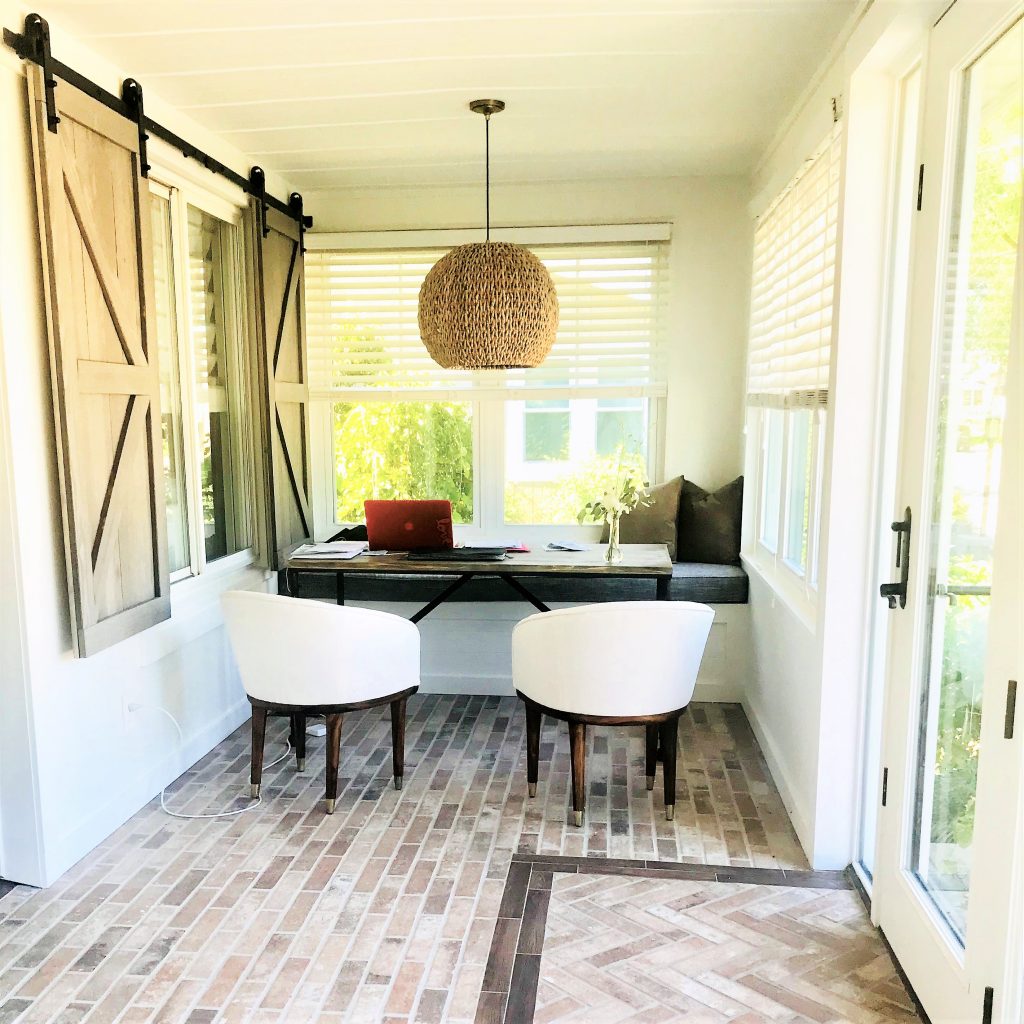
359	94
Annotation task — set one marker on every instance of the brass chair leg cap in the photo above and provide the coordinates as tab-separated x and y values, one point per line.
670	812
532	788
650	782
254	791
398	782
300	763
330	806
578	818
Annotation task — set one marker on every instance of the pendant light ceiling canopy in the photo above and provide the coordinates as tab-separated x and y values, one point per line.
488	305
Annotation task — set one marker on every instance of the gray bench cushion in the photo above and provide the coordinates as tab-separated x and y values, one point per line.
691	581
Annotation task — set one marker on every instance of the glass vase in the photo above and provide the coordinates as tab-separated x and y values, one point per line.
614	553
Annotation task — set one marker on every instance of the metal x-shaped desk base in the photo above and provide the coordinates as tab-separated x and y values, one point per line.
465	578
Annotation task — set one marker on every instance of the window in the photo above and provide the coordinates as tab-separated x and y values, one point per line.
789	362
170	390
514	447
773	426
547	425
402	450
559	454
197	277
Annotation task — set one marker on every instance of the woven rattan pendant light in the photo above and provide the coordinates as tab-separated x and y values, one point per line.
488	305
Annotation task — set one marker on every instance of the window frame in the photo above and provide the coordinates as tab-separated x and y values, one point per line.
488	407
797	584
182	190
489	472
802	583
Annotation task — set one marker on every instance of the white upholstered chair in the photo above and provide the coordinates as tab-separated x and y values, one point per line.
621	663
302	658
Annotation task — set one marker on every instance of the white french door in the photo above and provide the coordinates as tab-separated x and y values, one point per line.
944	885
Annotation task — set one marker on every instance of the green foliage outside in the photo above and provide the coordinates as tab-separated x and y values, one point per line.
558	502
403	450
959	727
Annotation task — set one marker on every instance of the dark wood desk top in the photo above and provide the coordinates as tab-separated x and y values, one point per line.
648	560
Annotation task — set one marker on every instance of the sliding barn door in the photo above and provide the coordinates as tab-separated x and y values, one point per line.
94	232
276	266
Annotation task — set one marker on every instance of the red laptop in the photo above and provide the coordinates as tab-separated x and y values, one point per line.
409	525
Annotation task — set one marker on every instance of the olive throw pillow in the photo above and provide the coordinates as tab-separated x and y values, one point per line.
710	524
655	523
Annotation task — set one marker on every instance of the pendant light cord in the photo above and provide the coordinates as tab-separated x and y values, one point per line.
487	172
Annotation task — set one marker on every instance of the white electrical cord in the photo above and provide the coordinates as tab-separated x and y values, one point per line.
181	741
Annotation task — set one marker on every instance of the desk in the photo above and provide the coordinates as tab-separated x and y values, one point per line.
639	561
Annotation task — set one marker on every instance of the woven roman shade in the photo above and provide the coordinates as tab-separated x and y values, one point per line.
792	290
364	338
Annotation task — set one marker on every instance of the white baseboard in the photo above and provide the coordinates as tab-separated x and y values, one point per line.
485	686
802	821
140	787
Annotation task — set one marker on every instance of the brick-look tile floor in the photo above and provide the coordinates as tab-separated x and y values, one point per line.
644	950
383	911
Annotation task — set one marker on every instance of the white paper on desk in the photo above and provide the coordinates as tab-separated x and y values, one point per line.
566	545
338	549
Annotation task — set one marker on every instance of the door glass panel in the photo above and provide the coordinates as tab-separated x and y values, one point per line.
969	420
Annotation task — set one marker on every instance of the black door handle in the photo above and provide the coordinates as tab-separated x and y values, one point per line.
897	592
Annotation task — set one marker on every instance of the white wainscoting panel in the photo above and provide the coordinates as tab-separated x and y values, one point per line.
467	647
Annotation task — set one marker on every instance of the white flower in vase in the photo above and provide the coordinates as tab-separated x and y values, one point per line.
611	507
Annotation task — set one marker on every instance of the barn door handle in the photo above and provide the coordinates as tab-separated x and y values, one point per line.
896	593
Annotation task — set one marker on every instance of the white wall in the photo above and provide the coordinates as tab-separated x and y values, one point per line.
806	695
710	272
467	647
74	764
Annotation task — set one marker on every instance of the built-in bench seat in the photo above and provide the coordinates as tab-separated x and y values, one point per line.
691	581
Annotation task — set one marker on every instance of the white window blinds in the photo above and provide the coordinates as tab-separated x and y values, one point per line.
792	288
363	334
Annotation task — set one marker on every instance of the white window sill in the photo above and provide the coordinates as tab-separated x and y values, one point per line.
224	574
784	584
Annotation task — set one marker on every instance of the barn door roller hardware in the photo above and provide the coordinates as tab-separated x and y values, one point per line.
295	202
33	44
258	190
131	93
36	48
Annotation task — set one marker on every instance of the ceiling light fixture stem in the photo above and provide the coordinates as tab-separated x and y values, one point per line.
487	172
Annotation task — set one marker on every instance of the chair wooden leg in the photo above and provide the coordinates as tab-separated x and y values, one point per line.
299	741
578	750
259	732
669	733
398	740
651	752
533	721
333	759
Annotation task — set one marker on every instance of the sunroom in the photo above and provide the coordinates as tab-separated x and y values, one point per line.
511	513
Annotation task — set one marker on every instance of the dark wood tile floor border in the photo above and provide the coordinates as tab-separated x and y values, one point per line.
509	992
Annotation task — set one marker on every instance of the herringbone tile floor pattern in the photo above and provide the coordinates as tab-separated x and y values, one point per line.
645	950
382	912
